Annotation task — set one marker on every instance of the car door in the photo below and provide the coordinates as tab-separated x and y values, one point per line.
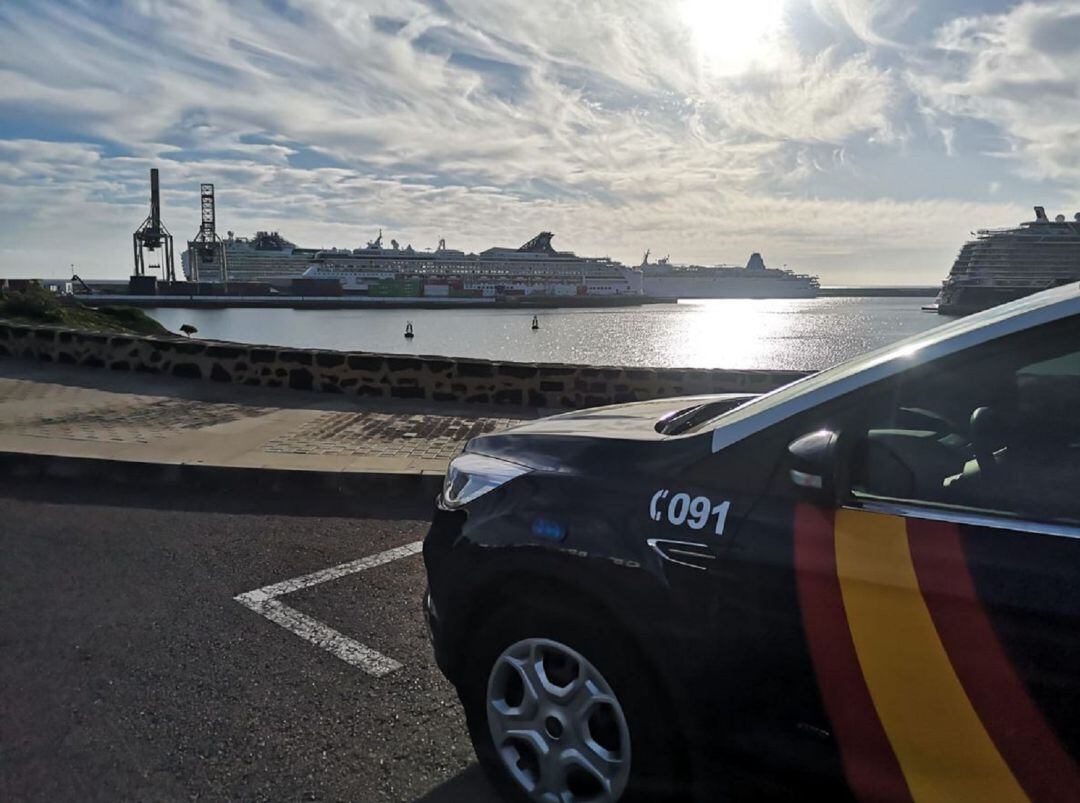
765	728
938	595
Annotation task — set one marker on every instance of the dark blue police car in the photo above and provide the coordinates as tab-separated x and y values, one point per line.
862	585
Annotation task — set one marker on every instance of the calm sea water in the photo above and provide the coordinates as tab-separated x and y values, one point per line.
722	333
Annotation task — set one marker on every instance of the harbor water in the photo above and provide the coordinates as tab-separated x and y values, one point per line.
793	334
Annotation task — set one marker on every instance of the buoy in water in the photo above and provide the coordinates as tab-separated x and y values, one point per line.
535	323
408	330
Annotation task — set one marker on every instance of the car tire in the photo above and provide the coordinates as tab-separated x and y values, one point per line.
657	760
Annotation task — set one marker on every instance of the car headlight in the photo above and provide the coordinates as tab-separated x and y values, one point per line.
472	475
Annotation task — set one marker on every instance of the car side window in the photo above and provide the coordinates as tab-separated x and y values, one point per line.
995	428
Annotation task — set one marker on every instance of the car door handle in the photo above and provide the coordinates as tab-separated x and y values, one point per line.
685	553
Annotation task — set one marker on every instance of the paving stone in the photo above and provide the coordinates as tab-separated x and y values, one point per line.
81	412
125	422
385	435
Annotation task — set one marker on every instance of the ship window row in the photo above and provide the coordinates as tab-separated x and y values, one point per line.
989	270
374	272
461	274
985	271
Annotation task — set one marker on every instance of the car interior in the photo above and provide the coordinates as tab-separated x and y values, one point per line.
998	432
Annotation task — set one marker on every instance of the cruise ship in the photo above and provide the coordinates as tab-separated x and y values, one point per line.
266	257
534	269
1000	265
665	280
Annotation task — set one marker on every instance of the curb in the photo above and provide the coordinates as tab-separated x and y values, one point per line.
23	466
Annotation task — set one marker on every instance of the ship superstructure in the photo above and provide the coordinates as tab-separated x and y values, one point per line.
534	269
266	257
1000	265
663	279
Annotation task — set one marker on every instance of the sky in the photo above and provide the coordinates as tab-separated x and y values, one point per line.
860	140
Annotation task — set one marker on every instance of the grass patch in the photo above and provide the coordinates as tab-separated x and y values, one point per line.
36	305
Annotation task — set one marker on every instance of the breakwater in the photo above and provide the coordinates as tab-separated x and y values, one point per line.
364	374
338	302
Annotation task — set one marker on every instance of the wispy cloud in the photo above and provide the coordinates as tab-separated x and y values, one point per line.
1020	72
874	22
618	125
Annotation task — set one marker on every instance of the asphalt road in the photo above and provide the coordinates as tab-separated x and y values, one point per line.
129	671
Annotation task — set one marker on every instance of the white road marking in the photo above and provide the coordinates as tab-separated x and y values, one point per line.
265	601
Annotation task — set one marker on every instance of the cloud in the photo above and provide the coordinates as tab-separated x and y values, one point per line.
1020	72
871	21
482	122
825	99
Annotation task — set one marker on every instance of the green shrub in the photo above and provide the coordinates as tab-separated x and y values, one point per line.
134	319
34	303
40	306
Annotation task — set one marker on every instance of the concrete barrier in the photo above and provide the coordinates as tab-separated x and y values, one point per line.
430	378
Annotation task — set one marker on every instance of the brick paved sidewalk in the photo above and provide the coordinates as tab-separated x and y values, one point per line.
79	412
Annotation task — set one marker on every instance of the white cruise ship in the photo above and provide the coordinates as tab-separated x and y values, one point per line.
664	280
1000	265
266	257
534	269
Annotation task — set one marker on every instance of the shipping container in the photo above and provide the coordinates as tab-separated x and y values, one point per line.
396	288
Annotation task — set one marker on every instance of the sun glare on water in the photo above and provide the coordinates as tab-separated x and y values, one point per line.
733	35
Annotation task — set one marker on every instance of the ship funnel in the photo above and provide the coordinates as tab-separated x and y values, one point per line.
1059	219
1040	214
540	244
755	262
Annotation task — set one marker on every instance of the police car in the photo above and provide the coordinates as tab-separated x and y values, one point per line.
863	585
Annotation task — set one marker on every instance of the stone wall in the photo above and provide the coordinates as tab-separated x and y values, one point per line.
376	375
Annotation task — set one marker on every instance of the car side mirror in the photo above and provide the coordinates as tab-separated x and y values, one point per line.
813	462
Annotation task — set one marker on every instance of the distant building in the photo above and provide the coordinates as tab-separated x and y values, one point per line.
61	287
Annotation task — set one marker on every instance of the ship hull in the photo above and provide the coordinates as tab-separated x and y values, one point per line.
971	299
673	288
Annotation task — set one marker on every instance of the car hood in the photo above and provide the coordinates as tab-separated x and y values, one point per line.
615	432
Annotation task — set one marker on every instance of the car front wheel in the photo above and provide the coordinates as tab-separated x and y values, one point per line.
562	711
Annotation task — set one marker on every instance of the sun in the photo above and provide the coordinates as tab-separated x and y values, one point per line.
733	35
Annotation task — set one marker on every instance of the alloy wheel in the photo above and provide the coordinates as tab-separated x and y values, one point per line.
557	725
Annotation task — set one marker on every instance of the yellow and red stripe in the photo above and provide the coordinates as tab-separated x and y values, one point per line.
1018	729
923	700
869	761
